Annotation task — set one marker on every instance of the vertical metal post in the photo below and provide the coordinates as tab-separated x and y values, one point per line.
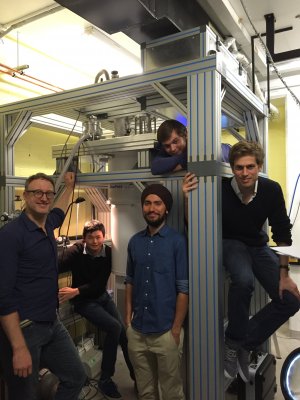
176	217
206	280
2	163
6	193
11	129
253	63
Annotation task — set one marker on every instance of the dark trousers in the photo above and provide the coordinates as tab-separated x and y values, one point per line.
51	347
244	264
103	313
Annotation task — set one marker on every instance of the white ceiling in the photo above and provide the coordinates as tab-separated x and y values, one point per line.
60	48
59	51
232	18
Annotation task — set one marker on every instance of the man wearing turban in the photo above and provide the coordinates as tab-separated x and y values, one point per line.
156	299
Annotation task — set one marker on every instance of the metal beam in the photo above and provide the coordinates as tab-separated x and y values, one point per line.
170	98
206	286
130	86
108	146
270	36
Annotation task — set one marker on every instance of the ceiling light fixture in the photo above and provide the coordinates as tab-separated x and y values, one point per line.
288	65
58	123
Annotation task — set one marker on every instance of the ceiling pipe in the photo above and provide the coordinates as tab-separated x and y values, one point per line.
44	12
100	73
22	78
30	79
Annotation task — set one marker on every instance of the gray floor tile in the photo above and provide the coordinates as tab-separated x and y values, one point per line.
126	387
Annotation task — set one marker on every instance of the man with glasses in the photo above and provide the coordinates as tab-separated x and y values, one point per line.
31	336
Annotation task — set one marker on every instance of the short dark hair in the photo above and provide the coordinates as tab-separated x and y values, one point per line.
167	127
39	175
246	148
93	226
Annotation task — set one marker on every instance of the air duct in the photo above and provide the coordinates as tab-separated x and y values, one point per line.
141	20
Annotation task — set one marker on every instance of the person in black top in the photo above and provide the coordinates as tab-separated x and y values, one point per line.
31	335
248	201
89	261
170	152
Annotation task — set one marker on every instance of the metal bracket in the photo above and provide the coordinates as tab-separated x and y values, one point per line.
167	95
209	168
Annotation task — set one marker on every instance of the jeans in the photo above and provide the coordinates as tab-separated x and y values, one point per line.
244	264
103	313
51	347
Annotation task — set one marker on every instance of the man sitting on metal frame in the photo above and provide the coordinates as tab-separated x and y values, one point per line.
248	201
90	263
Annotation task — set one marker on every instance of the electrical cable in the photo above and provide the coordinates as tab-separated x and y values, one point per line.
297	212
269	56
92	157
67	233
70	133
292	202
294	192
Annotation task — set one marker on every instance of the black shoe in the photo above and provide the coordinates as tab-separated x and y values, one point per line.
109	389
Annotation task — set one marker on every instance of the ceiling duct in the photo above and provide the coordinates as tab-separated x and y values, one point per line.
141	20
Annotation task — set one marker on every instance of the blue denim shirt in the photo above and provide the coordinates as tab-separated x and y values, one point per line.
157	268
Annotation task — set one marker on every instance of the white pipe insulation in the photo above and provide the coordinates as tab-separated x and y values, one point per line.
230	44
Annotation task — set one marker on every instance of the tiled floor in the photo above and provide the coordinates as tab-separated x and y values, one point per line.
126	388
121	378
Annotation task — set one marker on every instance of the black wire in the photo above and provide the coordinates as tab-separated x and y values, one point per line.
70	133
71	210
64	248
296	215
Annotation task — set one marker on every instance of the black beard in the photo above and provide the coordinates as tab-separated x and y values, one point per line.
156	223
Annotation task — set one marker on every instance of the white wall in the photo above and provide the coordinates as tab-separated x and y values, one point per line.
292	110
293	158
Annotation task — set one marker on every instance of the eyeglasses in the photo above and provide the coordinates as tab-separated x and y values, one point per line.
38	194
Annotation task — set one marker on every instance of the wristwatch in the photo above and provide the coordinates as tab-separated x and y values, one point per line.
287	267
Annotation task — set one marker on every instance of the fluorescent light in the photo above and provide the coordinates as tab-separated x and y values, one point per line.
58	122
289	65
